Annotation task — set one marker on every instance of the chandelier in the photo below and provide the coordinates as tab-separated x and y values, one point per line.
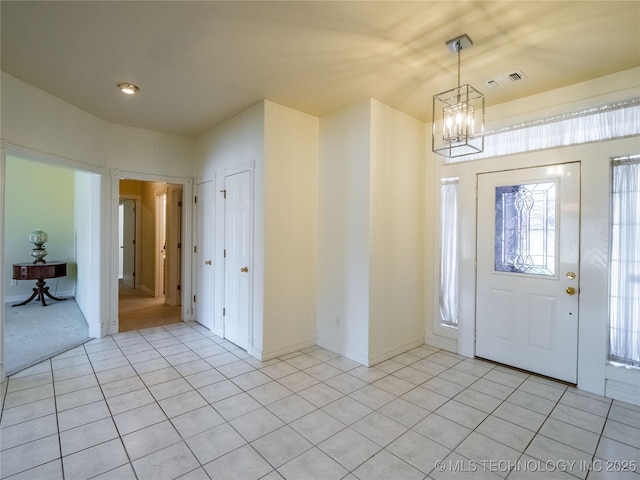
458	114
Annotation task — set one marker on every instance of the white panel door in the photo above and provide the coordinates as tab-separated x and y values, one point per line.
238	267
527	276
129	242
204	293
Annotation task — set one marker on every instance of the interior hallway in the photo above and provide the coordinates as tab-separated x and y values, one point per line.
179	402
137	310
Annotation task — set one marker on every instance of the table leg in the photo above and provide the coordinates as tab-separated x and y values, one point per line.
33	295
40	291
45	290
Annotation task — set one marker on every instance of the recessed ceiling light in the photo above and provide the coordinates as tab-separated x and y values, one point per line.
128	88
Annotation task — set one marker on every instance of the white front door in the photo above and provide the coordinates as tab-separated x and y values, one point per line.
204	292
238	267
527	269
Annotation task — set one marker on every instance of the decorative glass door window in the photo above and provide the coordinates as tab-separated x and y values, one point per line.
525	227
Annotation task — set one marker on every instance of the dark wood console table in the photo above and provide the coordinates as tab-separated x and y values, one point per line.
39	271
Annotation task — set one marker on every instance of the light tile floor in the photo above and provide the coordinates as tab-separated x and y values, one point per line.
178	402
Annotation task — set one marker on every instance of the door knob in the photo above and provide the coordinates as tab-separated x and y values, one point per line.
570	290
244	269
207	262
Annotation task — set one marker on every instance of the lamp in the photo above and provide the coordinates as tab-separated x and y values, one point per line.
38	238
458	114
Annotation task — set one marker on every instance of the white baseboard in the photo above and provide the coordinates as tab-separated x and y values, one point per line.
21	298
625	392
256	353
187	317
148	291
445	343
381	357
218	331
354	355
268	355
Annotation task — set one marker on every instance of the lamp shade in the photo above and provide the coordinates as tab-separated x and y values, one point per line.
38	237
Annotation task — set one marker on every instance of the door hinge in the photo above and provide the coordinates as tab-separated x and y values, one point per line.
195	199
224	192
133	274
180	203
179	287
225	253
194	299
195	249
224	312
179	245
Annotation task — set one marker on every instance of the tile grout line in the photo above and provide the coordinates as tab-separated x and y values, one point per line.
55	409
367	383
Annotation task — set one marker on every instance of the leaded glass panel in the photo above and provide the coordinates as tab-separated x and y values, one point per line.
526	229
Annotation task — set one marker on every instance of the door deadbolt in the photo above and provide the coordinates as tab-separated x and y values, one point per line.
207	262
570	290
244	269
571	275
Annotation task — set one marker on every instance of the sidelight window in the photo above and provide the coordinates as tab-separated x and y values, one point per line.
449	252
624	284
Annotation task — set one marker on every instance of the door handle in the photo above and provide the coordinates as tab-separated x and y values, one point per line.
244	269
570	291
207	262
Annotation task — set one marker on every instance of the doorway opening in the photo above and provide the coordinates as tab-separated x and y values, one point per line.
149	260
67	207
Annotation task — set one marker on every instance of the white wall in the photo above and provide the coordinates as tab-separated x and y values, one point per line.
88	237
396	233
290	229
593	373
343	232
371	232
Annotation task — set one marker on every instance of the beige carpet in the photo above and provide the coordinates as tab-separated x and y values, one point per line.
34	333
138	310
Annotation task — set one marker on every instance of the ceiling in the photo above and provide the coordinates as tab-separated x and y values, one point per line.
200	63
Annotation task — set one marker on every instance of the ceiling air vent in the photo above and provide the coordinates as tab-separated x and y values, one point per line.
505	80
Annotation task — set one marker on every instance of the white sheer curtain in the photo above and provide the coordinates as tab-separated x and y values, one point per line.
605	122
449	252
624	308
